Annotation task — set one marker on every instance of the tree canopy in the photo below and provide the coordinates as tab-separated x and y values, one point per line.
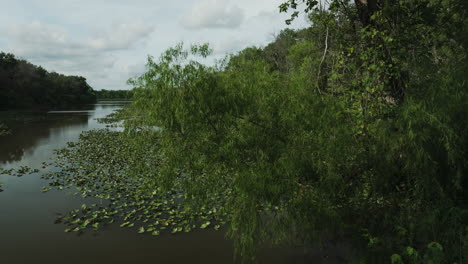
24	85
353	127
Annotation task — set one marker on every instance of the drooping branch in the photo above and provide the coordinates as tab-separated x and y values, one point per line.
323	58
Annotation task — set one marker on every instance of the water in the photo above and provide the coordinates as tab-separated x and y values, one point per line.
27	230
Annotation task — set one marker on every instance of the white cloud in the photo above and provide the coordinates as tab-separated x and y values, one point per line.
39	40
213	14
93	56
121	36
230	45
36	33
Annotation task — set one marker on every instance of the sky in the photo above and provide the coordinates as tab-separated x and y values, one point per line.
108	41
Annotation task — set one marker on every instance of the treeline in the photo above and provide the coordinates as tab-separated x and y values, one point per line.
114	94
24	85
354	128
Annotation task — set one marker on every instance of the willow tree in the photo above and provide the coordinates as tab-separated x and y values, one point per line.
362	136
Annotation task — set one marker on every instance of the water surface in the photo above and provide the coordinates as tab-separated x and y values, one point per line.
27	230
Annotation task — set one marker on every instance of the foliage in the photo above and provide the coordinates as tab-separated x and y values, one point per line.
24	85
434	254
355	129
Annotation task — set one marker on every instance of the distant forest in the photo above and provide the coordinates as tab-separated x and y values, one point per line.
114	94
24	85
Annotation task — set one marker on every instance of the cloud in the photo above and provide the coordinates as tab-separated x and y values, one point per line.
36	33
258	30
53	46
230	45
213	14
135	70
121	36
38	40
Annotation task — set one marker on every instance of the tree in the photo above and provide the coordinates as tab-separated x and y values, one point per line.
357	131
24	85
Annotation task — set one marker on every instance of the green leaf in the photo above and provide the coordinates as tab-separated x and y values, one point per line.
45	189
396	259
205	225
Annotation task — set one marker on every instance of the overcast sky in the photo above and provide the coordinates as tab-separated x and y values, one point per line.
107	41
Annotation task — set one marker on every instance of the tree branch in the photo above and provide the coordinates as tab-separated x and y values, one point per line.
321	62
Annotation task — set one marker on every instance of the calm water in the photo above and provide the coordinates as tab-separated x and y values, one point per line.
27	230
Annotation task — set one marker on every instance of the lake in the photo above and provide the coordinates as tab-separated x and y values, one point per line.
28	233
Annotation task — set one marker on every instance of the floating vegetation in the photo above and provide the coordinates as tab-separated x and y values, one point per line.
104	166
112	119
18	172
4	130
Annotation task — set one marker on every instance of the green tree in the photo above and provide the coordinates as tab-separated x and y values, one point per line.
354	127
24	85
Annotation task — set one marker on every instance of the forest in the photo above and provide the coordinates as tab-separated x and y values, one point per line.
353	129
24	85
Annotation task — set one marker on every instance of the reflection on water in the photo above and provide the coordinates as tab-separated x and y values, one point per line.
27	230
33	141
28	138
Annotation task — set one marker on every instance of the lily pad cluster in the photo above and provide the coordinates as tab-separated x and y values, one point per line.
4	130
113	119
18	172
104	167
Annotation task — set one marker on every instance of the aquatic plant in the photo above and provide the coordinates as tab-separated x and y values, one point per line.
4	130
98	167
